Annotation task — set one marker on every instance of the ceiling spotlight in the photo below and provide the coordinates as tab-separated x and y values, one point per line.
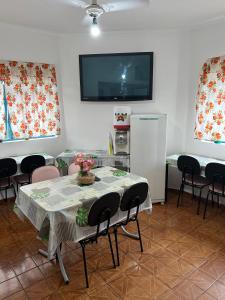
95	30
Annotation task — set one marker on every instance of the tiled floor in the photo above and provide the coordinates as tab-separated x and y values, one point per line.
184	258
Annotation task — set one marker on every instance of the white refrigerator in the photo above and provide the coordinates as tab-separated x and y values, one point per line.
148	151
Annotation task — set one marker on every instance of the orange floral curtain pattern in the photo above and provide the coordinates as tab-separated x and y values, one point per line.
210	107
2	113
32	99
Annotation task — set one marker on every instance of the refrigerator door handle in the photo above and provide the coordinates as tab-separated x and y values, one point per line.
148	119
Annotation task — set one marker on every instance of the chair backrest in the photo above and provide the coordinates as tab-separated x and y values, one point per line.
44	173
8	167
215	173
103	209
134	196
73	169
32	162
188	165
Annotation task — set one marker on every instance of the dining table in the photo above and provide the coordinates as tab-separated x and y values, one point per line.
58	208
101	157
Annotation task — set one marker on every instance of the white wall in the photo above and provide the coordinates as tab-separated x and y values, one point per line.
19	43
205	42
88	124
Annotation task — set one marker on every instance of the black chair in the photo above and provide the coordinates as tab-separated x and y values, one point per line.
130	203
8	168
28	165
191	176
101	211
215	173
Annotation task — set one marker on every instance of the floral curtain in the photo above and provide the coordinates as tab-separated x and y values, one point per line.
2	113
32	99
210	107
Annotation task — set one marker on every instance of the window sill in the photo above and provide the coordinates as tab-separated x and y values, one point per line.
28	140
211	142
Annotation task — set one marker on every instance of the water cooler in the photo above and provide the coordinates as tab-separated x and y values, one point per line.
121	135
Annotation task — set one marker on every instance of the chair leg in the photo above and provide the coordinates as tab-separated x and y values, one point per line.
212	200
193	192
206	203
111	249
180	192
139	234
14	190
117	248
199	201
6	198
85	264
218	201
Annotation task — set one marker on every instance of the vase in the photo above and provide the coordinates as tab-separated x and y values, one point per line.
86	178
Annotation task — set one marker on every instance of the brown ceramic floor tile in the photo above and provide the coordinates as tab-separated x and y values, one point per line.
179	247
105	293
9	287
49	268
198	255
71	296
147	261
169	276
222	279
181	250
24	265
40	259
164	256
206	296
104	267
169	295
30	277
217	290
187	290
182	267
18	296
133	287
201	279
215	268
77	283
39	290
131	245
6	273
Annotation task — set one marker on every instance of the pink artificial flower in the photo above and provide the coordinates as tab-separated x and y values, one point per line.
85	164
90	162
86	167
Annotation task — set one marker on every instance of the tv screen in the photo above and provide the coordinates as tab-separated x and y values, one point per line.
116	77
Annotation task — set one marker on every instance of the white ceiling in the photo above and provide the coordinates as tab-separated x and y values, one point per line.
62	16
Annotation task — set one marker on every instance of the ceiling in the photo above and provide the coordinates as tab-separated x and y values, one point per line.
62	16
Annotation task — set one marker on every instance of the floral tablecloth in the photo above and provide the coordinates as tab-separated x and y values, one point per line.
64	159
59	208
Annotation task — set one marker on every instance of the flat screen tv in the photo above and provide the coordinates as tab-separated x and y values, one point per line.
116	77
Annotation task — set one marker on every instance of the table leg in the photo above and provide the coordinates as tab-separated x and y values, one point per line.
59	258
166	182
61	265
131	235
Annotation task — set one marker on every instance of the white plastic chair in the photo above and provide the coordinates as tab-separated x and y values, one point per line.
44	173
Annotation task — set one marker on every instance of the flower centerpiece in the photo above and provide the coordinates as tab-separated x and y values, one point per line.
85	177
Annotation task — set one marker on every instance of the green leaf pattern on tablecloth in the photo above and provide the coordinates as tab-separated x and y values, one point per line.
61	164
119	173
39	195
82	216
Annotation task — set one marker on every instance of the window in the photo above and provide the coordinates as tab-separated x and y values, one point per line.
29	104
